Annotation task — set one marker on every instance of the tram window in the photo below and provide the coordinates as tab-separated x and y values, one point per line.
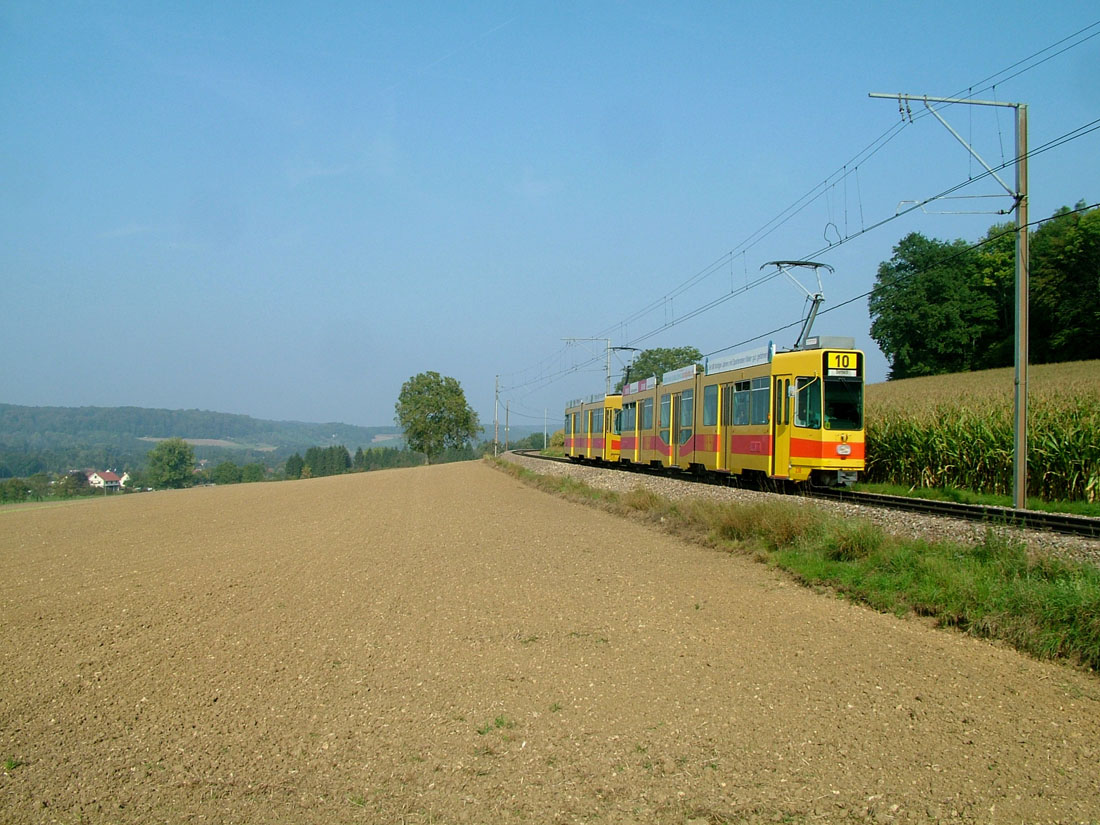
617	423
760	400
647	414
630	417
741	403
843	403
710	405
597	421
687	408
808	403
727	404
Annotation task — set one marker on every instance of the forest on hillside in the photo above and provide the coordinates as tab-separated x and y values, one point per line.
56	439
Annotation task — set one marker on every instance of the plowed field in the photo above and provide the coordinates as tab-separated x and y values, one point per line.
445	645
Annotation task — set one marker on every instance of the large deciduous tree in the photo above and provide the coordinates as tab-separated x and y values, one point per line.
433	413
946	307
1065	287
926	314
660	360
171	464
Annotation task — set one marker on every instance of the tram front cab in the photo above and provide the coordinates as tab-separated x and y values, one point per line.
817	415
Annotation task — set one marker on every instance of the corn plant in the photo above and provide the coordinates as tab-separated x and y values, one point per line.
969	444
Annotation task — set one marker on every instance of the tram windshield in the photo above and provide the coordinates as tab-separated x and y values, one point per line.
843	403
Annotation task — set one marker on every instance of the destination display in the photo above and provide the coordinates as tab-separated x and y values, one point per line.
842	364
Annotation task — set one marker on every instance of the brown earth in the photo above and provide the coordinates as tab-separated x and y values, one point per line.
446	645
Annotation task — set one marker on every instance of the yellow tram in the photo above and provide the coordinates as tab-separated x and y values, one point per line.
592	428
794	416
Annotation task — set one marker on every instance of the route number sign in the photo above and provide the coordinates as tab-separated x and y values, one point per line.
842	364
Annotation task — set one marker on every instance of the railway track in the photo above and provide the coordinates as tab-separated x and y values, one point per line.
1061	523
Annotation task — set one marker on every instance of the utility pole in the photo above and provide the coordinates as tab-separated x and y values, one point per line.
1019	195
496	416
507	418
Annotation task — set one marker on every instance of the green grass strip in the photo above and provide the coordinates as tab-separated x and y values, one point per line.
1043	606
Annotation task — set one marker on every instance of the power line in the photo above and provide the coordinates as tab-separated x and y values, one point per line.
1073	134
848	168
904	276
958	254
814	193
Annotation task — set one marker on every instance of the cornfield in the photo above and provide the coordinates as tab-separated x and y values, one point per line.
957	431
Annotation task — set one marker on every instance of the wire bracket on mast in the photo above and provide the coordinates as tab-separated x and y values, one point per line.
928	101
816	299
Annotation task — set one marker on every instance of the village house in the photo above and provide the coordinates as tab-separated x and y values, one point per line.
107	480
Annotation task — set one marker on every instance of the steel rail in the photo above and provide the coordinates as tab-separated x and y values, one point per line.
1061	523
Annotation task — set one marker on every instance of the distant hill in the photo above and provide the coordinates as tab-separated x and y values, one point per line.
56	439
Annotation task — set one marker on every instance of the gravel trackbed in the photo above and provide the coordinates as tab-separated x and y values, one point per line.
445	645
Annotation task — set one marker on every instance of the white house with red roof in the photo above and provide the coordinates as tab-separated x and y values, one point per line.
106	479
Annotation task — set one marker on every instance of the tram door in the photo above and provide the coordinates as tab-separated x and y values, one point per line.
680	426
781	426
669	429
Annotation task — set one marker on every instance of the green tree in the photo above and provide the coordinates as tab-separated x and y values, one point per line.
226	473
1065	287
327	461
433	413
14	489
171	464
252	472
71	484
995	276
294	466
39	486
658	361
927	315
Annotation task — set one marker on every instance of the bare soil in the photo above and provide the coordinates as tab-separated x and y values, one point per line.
445	645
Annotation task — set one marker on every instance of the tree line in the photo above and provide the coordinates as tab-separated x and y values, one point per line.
439	426
949	306
54	439
171	464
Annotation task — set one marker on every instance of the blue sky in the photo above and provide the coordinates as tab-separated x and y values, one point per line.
286	210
